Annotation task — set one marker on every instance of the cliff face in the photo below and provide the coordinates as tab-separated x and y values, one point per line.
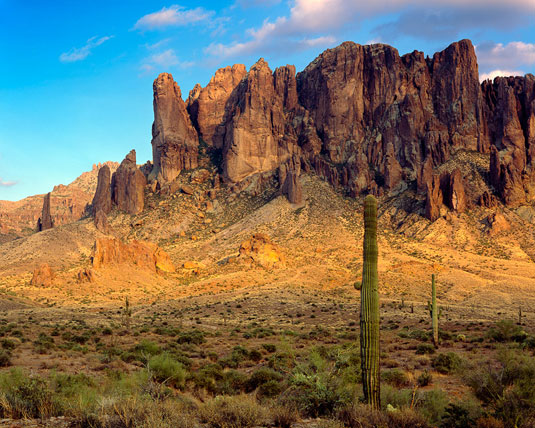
362	117
174	139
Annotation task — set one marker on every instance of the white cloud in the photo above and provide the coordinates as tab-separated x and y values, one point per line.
79	54
499	55
6	183
315	19
495	73
163	60
173	16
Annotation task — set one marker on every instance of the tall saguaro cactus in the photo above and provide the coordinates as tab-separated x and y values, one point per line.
369	308
434	310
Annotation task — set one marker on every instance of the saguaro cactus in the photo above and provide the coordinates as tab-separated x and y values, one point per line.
369	308
434	310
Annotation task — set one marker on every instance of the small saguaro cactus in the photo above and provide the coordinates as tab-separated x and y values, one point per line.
369	308
434	311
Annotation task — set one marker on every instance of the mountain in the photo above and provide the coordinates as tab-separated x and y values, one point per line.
68	204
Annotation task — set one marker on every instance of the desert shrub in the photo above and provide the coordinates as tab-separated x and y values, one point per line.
489	422
425	348
24	396
262	376
255	355
283	416
432	405
398	398
164	368
238	355
207	377
282	361
461	415
395	377
231	383
237	412
363	416
506	331
5	358
446	363
506	386
425	378
8	344
43	343
269	347
195	337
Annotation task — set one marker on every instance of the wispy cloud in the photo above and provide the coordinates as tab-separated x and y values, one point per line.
495	73
173	16
79	54
163	60
498	55
4	183
323	20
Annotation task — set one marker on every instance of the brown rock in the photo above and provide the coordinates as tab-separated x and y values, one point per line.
433	199
85	275
497	224
43	276
208	106
102	198
488	200
261	250
45	221
174	139
187	189
456	198
145	255
128	184
200	176
101	222
258	137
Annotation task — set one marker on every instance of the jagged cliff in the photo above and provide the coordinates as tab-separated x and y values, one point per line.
363	118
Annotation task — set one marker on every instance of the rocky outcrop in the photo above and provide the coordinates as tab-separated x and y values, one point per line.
102	198
510	120
259	249
43	276
45	221
127	186
101	222
289	181
85	275
208	106
367	120
144	255
174	139
258	136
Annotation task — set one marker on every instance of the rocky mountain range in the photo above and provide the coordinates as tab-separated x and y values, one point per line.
363	118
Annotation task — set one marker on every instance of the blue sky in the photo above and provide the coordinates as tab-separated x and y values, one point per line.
76	76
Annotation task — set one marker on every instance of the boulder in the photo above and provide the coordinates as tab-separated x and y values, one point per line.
43	276
85	275
101	222
144	255
259	249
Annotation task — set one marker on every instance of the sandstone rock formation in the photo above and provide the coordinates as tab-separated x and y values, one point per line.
127	185
261	250
102	198
101	222
364	118
208	106
45	221
174	139
289	181
43	276
145	255
497	224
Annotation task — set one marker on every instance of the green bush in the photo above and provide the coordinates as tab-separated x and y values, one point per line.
231	412
447	363
195	337
425	378
506	331
262	376
164	368
425	348
506	386
395	377
5	358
